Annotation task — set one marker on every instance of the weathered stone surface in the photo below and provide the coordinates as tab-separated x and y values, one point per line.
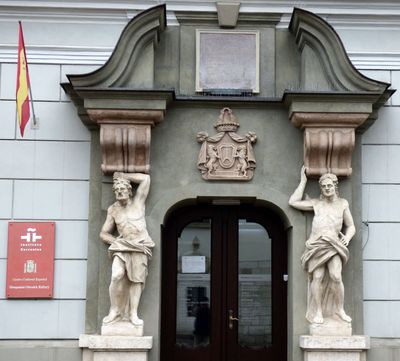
113	348
122	328
329	140
356	342
332	326
228	14
97	342
119	356
125	137
226	155
334	348
334	356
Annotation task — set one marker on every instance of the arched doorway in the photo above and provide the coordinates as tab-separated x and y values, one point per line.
224	284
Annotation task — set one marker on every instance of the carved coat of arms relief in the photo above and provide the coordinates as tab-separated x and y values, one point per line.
226	155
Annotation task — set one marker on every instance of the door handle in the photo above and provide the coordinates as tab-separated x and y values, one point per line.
231	319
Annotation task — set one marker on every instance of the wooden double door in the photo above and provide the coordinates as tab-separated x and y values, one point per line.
224	285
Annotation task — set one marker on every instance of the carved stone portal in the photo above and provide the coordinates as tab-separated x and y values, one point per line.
226	155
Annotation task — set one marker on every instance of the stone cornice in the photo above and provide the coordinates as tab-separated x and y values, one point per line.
65	55
328	120
333	96
89	55
372	16
319	6
338	13
118	116
206	17
336	102
111	98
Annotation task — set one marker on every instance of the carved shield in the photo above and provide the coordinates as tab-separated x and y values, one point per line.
226	154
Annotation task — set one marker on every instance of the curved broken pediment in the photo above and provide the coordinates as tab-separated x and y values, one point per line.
131	64
108	97
325	64
329	98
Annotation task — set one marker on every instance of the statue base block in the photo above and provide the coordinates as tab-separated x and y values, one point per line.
115	348
121	328
332	326
334	348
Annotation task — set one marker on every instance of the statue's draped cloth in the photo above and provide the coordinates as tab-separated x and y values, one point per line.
323	244
133	248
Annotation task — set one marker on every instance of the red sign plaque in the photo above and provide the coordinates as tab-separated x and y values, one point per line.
30	260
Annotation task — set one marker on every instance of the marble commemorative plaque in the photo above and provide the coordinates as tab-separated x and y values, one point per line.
227	60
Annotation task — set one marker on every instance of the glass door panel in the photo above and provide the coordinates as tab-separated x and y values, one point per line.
193	285
255	293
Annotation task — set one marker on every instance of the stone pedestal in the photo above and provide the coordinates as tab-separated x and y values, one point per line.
115	348
334	348
122	328
332	326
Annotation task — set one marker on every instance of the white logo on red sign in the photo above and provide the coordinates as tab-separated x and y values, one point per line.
31	235
30	241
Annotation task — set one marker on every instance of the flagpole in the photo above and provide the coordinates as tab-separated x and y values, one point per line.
33	108
29	85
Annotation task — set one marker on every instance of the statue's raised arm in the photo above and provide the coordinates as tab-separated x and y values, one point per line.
296	199
142	179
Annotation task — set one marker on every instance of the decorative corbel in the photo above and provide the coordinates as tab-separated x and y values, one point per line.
120	98
333	98
125	137
329	140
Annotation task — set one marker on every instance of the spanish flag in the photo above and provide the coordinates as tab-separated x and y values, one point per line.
23	108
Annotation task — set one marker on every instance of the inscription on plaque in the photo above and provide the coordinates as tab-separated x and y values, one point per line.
30	260
227	61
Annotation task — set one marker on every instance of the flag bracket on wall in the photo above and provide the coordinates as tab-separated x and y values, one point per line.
35	123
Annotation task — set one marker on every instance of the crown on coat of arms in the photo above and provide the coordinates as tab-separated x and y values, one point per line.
226	121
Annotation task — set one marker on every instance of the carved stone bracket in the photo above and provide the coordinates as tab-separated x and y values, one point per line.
329	140
125	137
120	97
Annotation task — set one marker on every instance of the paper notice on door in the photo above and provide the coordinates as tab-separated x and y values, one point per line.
193	264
